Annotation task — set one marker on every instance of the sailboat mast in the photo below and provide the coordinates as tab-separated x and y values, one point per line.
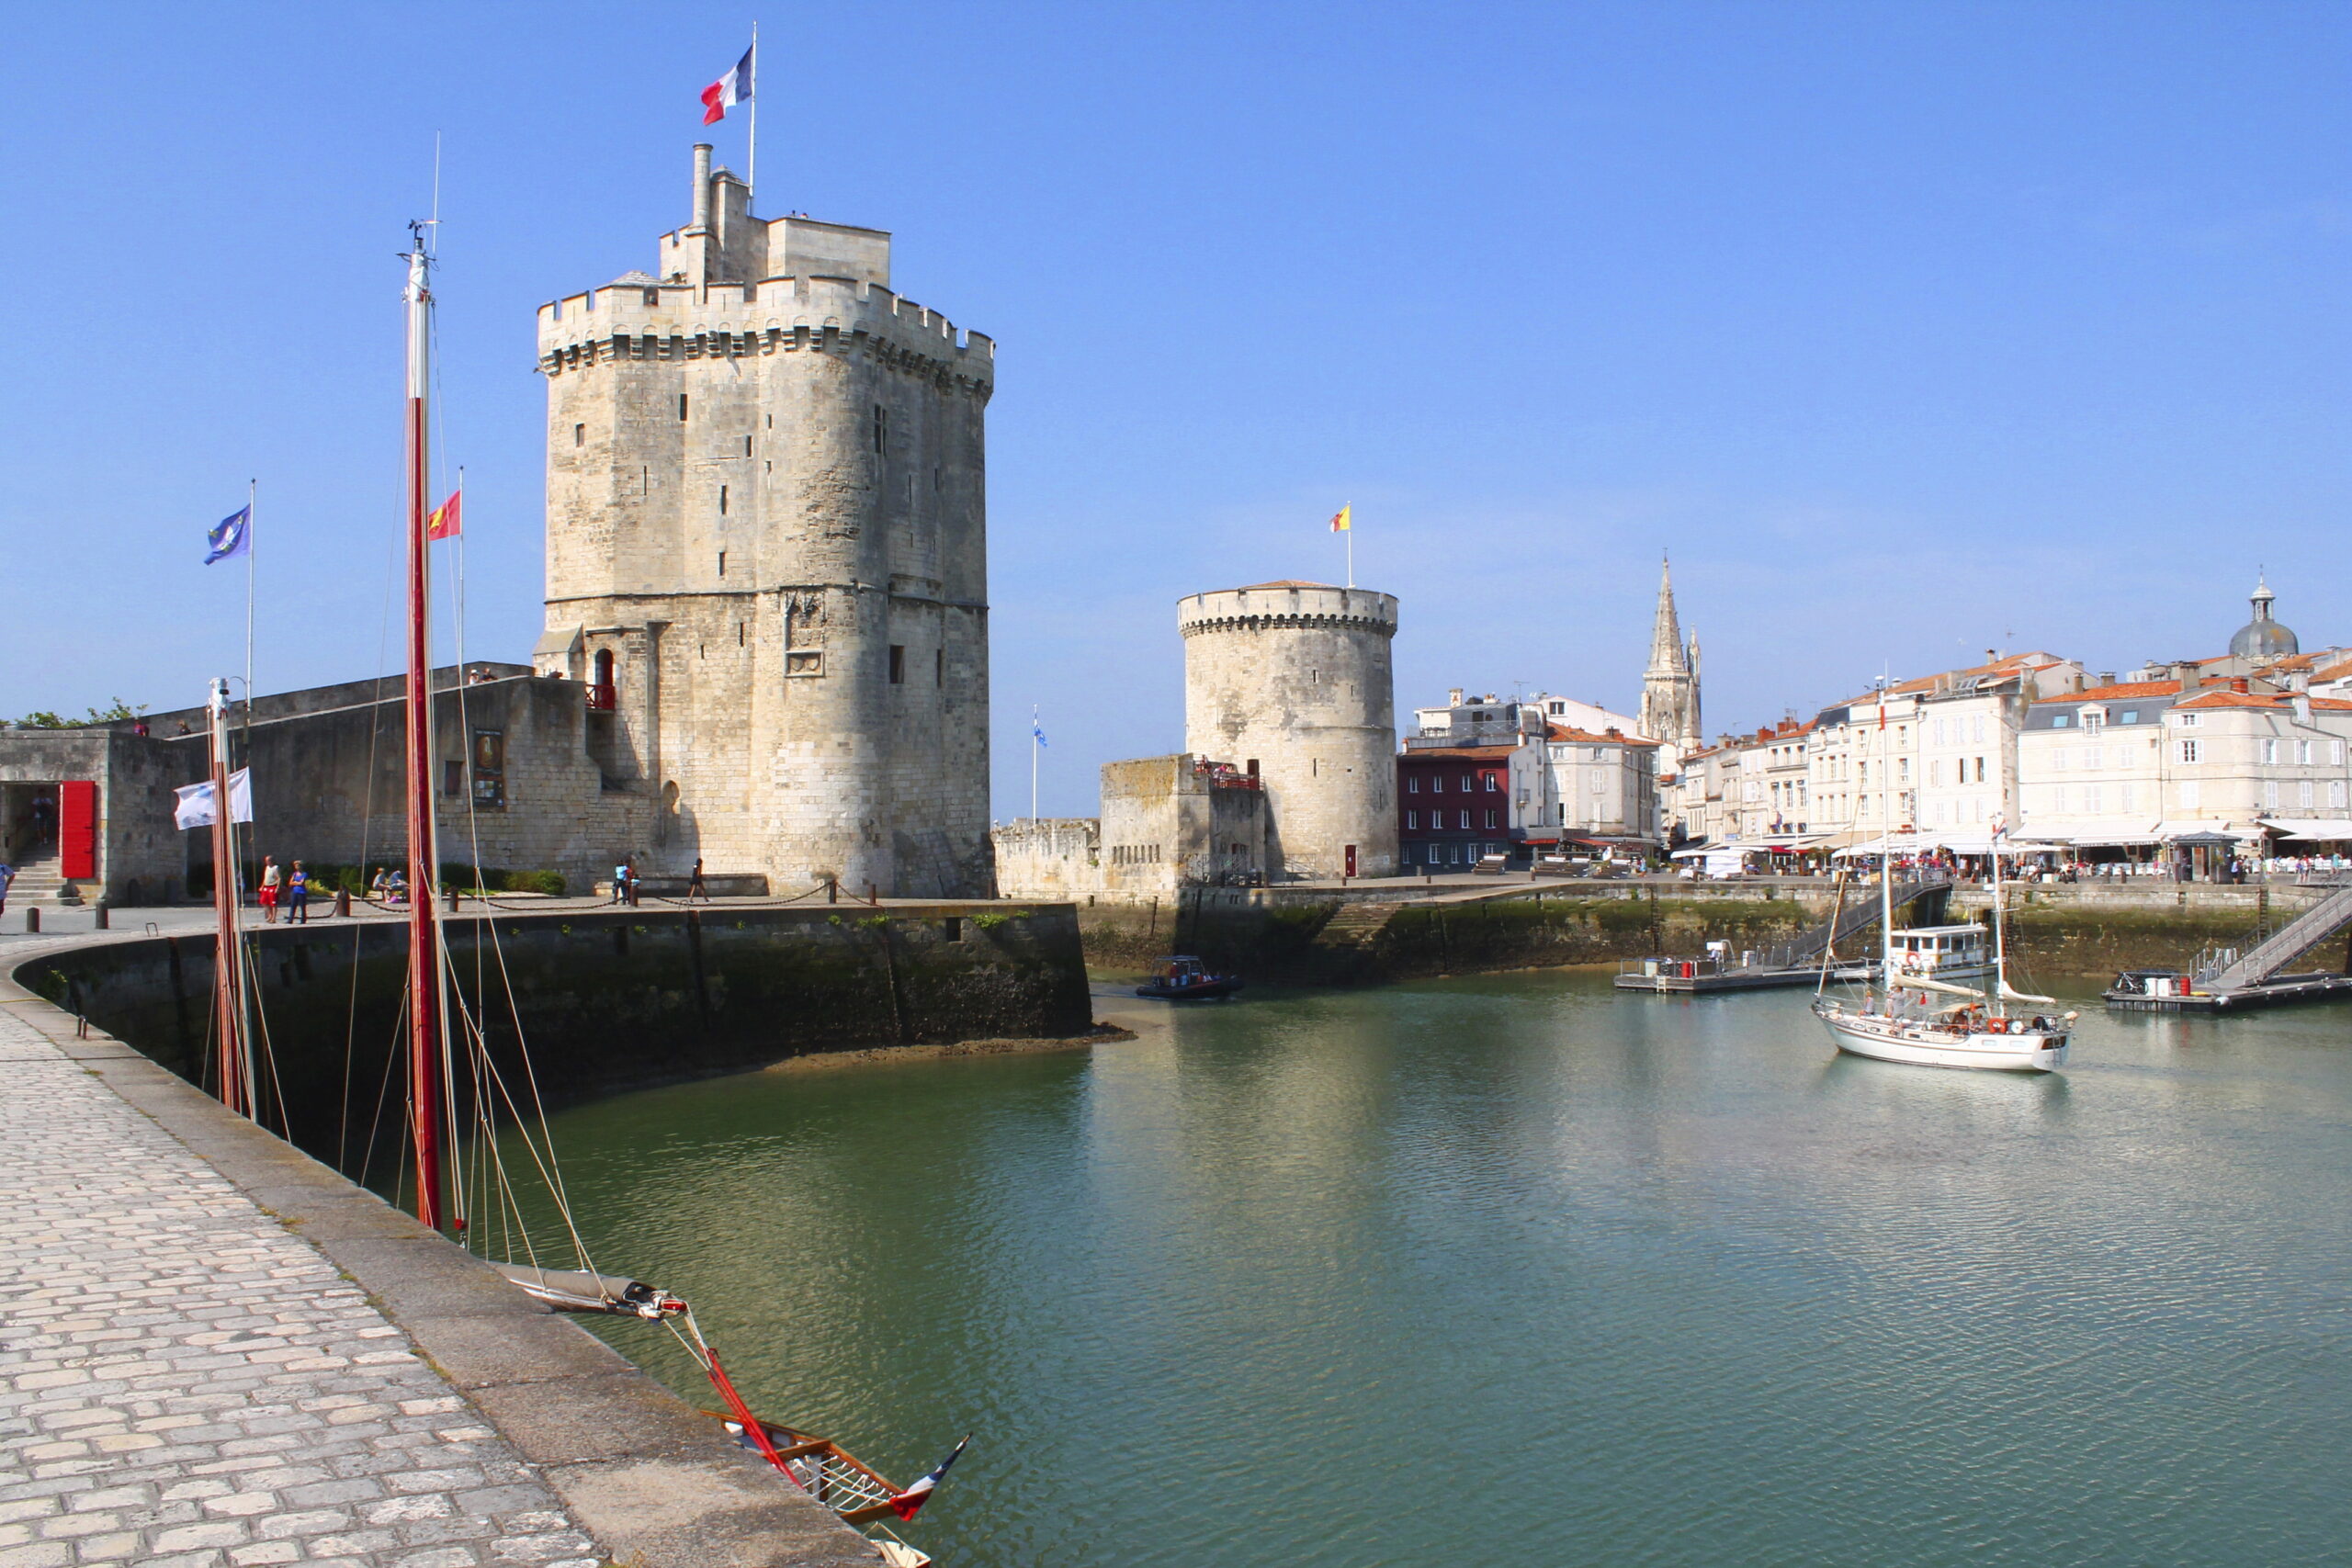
1885	847
228	1009
423	928
2000	941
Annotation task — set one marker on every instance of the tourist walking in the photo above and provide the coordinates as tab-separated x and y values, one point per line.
265	895
620	883
7	874
298	896
694	888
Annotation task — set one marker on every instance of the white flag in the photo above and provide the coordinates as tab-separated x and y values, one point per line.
195	807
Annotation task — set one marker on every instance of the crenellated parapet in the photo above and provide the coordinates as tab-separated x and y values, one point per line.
1288	606
679	322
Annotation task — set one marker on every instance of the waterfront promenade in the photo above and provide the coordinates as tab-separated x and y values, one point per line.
184	1380
216	1352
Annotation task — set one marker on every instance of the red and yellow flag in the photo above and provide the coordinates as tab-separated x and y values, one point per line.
445	522
1344	521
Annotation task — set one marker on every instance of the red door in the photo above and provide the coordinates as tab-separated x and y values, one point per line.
1351	860
77	829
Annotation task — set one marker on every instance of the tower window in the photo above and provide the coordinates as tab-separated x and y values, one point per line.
897	665
939	667
881	428
722	500
771	422
747	446
681	405
722	563
580	435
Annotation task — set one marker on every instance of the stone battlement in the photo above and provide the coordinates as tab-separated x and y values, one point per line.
679	320
1287	604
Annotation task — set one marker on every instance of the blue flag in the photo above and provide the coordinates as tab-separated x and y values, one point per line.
231	537
1038	730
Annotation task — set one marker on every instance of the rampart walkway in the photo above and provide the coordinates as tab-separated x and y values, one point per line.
185	1382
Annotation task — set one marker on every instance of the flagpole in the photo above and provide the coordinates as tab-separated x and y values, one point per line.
253	488
1033	761
1352	549
751	158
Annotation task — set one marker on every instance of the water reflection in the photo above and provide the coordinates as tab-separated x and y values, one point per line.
1391	1277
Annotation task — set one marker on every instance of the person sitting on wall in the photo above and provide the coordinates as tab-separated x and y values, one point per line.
396	888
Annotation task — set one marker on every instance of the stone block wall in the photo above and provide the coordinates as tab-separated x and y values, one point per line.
1296	680
766	516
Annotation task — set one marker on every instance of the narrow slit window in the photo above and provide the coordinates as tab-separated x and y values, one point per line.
580	435
939	667
722	500
897	665
722	563
881	428
681	405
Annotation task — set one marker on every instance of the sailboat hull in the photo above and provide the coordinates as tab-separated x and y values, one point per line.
1917	1043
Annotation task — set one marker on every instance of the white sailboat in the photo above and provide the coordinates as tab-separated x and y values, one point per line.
1908	1023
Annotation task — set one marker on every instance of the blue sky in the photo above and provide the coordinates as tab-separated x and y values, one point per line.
1913	330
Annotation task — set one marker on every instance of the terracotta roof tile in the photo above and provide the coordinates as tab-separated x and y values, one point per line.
1563	732
2117	693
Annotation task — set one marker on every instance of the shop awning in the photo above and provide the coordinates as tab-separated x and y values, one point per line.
2098	832
2312	830
2193	832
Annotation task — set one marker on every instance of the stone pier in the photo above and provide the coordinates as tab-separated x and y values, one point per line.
216	1353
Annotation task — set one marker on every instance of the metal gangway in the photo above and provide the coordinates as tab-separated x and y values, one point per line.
2305	932
1852	921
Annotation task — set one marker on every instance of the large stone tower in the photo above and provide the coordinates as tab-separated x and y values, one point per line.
767	552
1292	681
1670	684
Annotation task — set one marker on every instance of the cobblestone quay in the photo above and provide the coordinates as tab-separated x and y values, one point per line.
186	1380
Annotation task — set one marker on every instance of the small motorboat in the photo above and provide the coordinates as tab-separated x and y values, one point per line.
1182	980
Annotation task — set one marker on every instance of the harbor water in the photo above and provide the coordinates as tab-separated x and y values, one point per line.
1514	1270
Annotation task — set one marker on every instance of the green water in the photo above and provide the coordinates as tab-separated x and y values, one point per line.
1512	1271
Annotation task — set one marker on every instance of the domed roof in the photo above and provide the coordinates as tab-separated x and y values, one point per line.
2263	637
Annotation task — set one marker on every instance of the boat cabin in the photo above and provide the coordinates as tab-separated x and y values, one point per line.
1933	952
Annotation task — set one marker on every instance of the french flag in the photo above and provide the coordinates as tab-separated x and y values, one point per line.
906	1503
733	88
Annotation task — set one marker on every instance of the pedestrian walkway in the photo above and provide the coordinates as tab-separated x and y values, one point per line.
186	1383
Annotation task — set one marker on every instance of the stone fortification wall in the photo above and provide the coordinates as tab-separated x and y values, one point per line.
1296	680
607	1001
328	785
1175	821
767	517
140	859
1048	857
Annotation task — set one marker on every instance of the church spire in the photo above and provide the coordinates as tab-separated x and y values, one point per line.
1666	631
1670	684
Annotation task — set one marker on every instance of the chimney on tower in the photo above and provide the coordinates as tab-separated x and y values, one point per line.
701	224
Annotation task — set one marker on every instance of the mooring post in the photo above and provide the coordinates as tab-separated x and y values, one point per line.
32	921
452	896
832	890
100	911
343	903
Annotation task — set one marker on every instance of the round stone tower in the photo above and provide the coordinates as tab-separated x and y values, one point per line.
766	553
1292	681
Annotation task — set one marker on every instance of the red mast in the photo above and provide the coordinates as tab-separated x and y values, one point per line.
423	928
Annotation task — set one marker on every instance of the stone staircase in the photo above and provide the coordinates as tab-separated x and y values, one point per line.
38	883
1356	925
